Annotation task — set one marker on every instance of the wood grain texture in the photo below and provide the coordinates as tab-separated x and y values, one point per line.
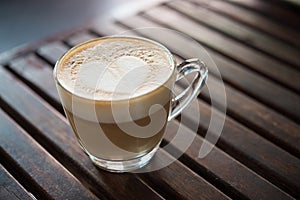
254	44
192	190
252	84
240	32
79	38
120	29
32	69
222	170
255	115
265	121
271	125
250	18
53	132
56	126
160	38
256	61
279	13
197	184
36	165
179	180
280	130
51	52
265	158
10	188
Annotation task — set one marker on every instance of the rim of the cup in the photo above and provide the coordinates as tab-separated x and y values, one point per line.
58	62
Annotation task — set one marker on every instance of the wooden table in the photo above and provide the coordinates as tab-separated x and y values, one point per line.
255	45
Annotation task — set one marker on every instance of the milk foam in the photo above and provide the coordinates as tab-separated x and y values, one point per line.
114	69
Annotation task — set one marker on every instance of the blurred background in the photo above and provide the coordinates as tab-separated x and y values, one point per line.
22	22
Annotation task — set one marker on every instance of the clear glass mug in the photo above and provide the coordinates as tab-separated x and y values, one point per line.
123	135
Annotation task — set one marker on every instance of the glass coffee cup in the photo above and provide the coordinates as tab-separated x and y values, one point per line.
117	93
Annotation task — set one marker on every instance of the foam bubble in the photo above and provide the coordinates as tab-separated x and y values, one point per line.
115	69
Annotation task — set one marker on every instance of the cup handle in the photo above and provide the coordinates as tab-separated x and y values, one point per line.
189	66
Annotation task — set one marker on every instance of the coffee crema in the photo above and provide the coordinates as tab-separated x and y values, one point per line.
114	69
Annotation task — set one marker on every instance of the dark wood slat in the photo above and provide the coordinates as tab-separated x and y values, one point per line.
192	152
193	190
55	125
240	32
10	188
253	59
111	28
52	131
277	13
33	70
52	51
79	38
257	86
271	162
279	130
43	170
267	122
178	190
251	18
225	171
179	179
182	189
261	89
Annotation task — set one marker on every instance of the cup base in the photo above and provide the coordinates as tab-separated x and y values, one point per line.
121	166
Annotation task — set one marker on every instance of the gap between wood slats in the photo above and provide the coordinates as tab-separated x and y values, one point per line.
245	35
244	115
22	177
275	179
243	119
162	190
147	179
80	37
230	191
221	169
221	184
261	94
166	173
255	61
253	151
49	98
38	168
291	5
253	20
10	188
275	103
71	155
274	12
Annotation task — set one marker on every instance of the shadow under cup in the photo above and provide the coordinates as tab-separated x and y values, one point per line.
123	135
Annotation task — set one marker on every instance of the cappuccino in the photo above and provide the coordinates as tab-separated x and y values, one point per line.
116	94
